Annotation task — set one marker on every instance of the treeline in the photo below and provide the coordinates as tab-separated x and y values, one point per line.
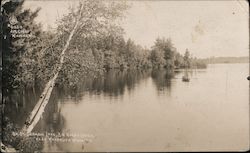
215	60
97	46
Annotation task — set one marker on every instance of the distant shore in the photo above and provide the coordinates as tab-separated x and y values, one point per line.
217	60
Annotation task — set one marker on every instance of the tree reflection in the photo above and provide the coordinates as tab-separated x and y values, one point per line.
20	103
16	110
162	79
52	120
113	83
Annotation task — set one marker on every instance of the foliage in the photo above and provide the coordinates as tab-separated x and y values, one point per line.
163	53
98	45
20	54
93	46
198	63
10	54
186	58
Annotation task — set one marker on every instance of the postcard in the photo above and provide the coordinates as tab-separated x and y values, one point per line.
124	75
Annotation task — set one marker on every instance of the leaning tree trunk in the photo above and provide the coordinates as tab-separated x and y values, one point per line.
36	113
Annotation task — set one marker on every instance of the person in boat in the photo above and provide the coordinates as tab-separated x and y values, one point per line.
185	77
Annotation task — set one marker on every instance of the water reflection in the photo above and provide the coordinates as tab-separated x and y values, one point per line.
162	79
20	103
112	84
52	121
152	99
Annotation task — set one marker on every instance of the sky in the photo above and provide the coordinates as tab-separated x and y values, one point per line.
205	28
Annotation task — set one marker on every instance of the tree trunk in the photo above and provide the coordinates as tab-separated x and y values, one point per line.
36	113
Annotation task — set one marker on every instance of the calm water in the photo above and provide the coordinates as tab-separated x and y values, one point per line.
153	111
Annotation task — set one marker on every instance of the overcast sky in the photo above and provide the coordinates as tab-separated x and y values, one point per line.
206	28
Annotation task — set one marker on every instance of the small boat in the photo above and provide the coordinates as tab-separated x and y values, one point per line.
185	79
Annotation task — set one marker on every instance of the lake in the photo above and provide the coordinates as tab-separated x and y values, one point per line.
151	111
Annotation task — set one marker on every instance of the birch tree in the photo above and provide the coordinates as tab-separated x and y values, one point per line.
87	21
89	47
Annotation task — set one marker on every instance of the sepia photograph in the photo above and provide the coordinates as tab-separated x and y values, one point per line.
124	75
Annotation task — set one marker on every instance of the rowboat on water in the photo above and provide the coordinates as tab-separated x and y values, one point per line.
185	78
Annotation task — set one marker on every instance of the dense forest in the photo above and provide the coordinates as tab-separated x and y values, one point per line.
96	46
